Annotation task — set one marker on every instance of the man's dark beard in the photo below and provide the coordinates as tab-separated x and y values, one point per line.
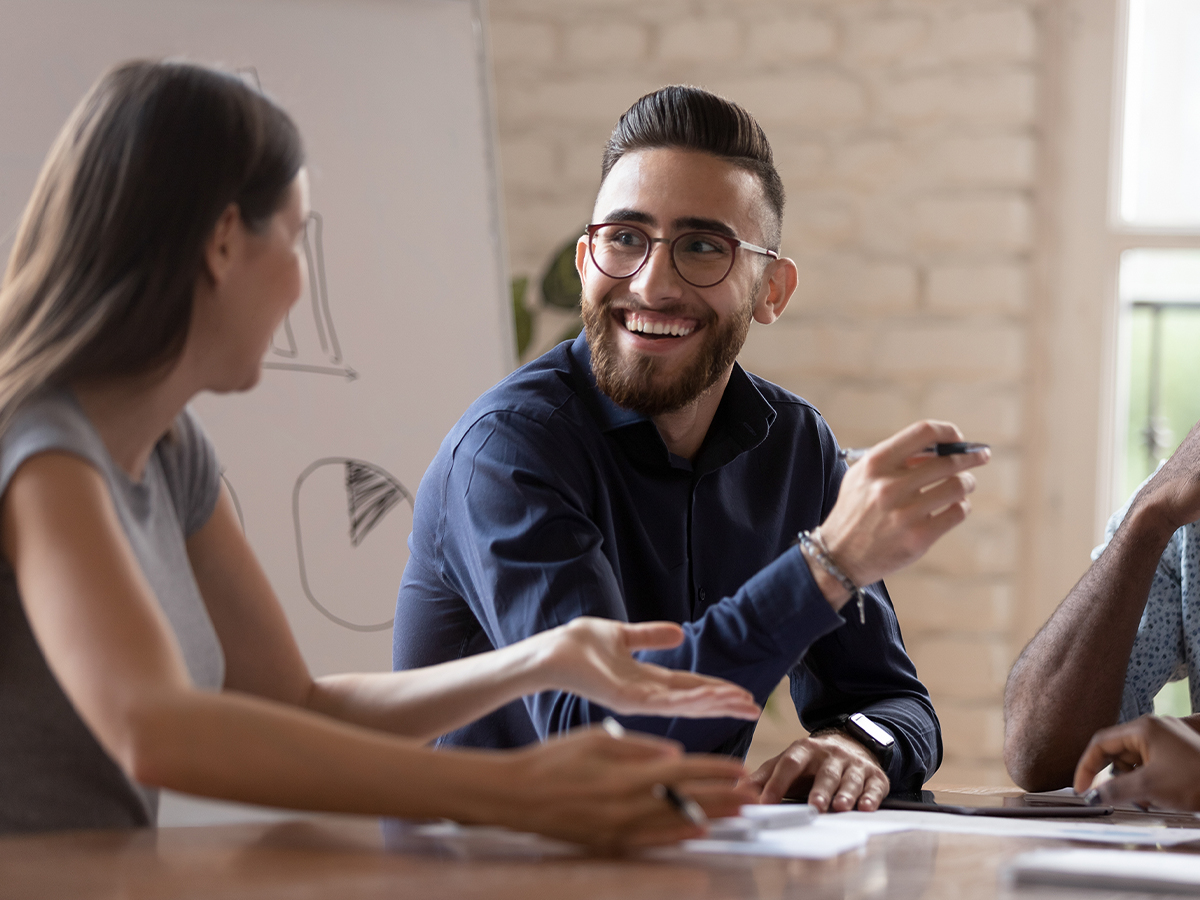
634	386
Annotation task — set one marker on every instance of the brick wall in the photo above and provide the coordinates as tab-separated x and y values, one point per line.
906	135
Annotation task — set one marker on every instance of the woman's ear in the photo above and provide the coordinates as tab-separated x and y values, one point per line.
221	248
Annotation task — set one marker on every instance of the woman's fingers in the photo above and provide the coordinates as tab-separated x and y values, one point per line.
651	635
598	790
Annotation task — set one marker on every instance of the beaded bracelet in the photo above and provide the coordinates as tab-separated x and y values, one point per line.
814	546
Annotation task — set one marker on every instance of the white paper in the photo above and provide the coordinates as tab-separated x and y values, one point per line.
886	820
1107	869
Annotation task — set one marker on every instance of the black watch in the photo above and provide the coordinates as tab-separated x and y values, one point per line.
871	736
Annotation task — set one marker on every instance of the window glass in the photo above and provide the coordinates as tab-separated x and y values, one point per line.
1160	293
1160	177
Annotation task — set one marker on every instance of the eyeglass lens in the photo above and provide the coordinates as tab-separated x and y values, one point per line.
701	259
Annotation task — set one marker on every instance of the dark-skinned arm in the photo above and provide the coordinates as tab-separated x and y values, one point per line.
1068	682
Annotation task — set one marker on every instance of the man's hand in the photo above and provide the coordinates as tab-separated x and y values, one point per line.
893	504
1172	496
1160	757
836	772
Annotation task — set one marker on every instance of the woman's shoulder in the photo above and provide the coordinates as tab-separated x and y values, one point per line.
50	420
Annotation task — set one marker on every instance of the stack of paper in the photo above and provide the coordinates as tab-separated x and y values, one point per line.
1114	870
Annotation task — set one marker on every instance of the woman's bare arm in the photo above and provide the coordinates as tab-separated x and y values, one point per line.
589	656
111	649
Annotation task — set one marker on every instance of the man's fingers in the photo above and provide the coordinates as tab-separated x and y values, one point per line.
939	496
1129	788
826	782
848	792
937	525
893	451
791	764
1105	746
873	791
760	776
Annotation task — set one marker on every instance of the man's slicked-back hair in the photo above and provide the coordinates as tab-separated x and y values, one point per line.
692	118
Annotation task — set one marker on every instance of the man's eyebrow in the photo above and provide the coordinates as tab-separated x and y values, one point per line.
630	215
695	223
687	223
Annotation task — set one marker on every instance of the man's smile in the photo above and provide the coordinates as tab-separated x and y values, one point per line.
655	325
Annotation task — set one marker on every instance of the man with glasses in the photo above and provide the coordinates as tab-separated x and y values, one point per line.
639	473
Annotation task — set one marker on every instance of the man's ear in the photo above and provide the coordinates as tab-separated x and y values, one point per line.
223	243
581	250
778	284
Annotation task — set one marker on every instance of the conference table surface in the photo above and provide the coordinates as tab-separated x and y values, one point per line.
344	858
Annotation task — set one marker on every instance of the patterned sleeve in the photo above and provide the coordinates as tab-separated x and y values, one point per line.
192	471
1159	651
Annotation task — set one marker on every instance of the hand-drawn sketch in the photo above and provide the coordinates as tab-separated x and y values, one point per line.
283	343
285	352
369	494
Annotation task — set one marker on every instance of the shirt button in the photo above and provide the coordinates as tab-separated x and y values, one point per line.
701	595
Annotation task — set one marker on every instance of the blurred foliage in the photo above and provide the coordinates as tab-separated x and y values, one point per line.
522	317
561	290
561	286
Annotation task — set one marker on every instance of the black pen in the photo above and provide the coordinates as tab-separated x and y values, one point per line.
685	806
951	448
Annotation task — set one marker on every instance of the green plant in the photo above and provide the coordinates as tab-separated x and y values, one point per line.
522	317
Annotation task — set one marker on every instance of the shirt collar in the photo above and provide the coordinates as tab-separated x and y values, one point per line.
741	423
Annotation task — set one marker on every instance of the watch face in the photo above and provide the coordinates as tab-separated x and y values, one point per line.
872	731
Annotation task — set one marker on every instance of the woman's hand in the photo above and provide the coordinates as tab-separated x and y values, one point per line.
593	658
1159	757
594	789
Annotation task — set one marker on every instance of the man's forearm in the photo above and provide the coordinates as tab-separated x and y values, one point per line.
752	638
1067	683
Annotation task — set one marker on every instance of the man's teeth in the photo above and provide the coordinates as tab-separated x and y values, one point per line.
675	329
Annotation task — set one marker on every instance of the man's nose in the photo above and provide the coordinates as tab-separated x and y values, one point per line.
657	279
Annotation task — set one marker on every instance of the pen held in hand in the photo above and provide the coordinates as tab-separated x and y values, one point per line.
854	454
613	727
685	806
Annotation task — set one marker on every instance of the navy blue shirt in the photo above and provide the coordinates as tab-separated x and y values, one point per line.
547	501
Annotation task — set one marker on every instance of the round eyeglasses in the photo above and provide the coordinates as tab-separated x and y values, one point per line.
702	258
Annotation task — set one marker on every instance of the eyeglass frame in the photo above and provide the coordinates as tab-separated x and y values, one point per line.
735	245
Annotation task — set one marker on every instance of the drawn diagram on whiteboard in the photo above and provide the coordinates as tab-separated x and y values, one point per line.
304	356
350	574
285	353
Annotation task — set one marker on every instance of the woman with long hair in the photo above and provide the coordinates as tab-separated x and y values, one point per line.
141	645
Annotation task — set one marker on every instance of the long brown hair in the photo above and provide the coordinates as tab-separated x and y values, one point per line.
101	277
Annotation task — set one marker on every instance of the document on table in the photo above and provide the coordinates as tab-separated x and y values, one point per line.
1178	873
825	837
887	820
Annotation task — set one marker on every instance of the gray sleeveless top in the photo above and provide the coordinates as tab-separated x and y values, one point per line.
53	772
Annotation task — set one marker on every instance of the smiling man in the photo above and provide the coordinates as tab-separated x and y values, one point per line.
640	473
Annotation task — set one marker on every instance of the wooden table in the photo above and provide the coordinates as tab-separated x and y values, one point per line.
345	859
